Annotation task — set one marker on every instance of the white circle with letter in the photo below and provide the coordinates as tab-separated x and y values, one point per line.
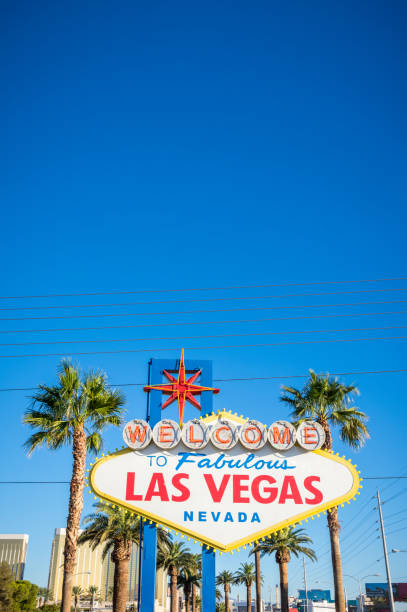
282	435
224	435
253	435
166	434
195	434
137	434
310	435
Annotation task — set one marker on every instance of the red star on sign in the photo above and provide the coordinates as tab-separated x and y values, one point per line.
182	390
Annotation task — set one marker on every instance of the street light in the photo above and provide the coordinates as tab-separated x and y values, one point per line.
359	580
394	550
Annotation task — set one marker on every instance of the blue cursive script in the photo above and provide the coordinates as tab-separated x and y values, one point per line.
220	462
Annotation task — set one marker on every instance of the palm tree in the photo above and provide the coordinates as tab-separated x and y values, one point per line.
44	595
174	558
246	575
76	592
74	411
329	403
225	579
187	580
110	592
116	529
93	592
259	579
196	567
289	541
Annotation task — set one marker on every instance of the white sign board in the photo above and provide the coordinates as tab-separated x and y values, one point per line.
224	498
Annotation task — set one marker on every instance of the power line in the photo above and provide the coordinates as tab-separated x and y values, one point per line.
211	299
42	481
395	514
248	379
242	335
395	496
193	323
396	530
381	477
266	286
195	348
149	314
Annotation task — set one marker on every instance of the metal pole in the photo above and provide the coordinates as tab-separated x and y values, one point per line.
386	558
362	603
305	585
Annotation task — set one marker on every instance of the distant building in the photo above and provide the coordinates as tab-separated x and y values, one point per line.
241	606
91	570
321	606
13	550
315	594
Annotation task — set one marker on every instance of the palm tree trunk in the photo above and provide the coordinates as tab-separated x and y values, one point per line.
121	579
173	588
187	594
249	598
283	587
74	515
258	580
227	597
121	557
333	525
193	598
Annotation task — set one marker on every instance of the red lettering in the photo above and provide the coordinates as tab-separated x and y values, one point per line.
317	499
271	491
219	439
238	488
257	438
130	495
216	494
309	435
289	490
137	433
157	479
185	493
191	435
165	436
277	437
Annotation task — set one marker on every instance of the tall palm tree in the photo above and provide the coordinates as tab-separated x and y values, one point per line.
329	403
76	592
116	529
225	579
259	579
246	575
187	579
93	592
174	558
284	543
74	411
196	568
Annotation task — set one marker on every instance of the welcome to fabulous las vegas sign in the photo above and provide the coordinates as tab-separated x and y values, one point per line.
223	480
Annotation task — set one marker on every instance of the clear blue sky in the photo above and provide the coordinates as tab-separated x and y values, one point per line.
185	145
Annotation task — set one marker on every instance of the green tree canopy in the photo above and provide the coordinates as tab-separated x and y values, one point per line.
24	596
6	582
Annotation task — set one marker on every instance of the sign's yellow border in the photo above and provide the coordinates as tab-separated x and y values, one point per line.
152	518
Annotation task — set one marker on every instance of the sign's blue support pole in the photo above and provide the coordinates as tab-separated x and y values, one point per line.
208	581
149	555
208	556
